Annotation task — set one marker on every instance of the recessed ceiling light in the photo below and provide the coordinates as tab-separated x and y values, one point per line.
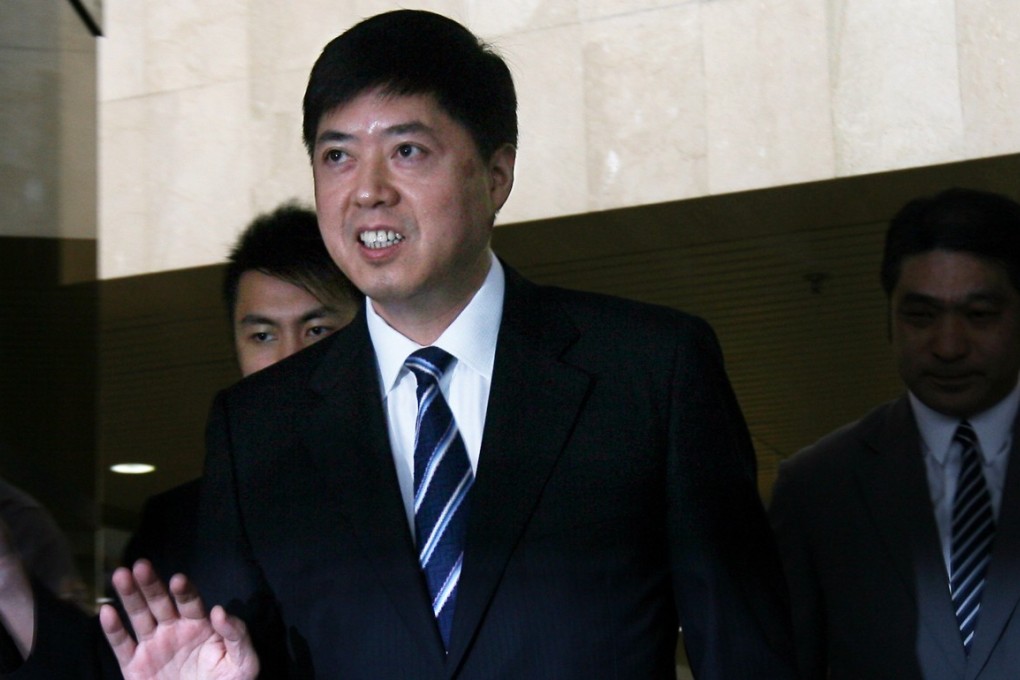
132	468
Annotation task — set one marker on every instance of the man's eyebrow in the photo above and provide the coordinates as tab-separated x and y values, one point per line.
411	127
991	296
316	313
408	128
333	137
256	320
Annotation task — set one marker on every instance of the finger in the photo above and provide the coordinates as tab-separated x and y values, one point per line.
137	609
6	541
236	640
120	641
185	594
153	589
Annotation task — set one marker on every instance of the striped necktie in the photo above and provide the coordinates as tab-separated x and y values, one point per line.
973	530
442	480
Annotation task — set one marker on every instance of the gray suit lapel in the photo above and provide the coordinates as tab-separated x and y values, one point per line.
895	487
1002	584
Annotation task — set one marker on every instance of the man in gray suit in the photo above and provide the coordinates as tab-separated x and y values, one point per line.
900	533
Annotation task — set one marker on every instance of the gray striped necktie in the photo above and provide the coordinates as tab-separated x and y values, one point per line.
442	480
973	531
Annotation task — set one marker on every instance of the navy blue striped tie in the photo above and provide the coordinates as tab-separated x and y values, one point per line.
442	480
972	535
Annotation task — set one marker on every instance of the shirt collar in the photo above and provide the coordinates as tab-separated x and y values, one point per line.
471	338
994	427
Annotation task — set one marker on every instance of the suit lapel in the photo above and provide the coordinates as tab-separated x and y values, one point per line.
895	487
1002	587
533	403
347	439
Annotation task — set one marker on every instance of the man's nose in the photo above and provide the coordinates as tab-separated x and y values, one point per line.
950	340
374	186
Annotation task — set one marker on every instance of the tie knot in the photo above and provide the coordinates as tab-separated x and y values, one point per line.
428	364
965	434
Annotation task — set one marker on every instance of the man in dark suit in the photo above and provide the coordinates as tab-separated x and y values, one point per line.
282	293
479	477
900	533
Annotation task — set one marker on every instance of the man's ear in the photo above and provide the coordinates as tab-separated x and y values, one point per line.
501	174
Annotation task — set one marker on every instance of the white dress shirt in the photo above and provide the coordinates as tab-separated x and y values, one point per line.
994	429
471	339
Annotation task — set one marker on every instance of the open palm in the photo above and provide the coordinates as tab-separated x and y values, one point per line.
175	638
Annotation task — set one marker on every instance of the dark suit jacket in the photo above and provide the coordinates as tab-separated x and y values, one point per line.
855	526
167	530
615	498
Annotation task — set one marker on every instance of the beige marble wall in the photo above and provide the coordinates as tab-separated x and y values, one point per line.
47	121
622	102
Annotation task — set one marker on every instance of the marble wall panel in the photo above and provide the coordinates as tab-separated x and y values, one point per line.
548	73
498	17
601	9
622	102
645	107
28	24
29	128
176	177
895	84
122	50
47	121
280	167
767	110
989	37
192	43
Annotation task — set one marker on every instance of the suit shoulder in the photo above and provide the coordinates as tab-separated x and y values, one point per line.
831	452
589	310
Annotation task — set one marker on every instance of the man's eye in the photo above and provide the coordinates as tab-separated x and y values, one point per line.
319	331
982	314
407	150
335	155
261	337
917	315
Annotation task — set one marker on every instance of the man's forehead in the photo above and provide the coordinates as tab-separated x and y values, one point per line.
952	277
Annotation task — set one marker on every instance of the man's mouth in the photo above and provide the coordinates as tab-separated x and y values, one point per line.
379	238
951	380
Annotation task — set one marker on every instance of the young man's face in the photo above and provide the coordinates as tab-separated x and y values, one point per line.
956	331
273	319
406	203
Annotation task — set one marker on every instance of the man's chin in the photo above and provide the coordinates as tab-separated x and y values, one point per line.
957	401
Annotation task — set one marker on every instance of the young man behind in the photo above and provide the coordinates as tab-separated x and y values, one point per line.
282	293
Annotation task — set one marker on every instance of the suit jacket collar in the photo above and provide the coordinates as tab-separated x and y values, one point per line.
534	400
348	442
894	484
1002	588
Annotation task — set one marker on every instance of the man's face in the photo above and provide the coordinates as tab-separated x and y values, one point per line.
273	319
406	203
956	331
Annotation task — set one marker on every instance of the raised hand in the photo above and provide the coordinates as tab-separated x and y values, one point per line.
175	637
17	604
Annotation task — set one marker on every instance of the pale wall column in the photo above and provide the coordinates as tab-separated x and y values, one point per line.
622	103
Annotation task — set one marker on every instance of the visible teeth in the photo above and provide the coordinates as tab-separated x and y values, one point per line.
380	238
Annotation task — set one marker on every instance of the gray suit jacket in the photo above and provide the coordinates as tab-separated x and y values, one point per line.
870	595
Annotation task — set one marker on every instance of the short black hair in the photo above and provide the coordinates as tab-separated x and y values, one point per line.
286	243
968	220
413	52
